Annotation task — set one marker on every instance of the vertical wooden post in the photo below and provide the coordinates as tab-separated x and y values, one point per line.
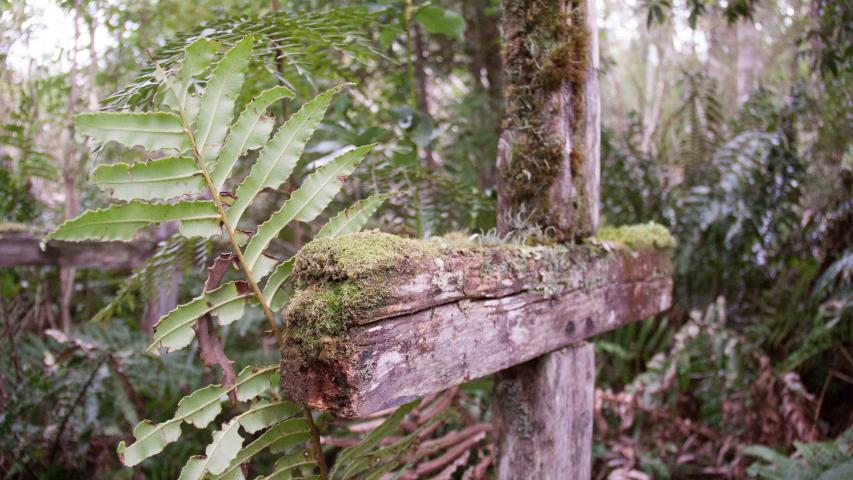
548	159
548	154
543	416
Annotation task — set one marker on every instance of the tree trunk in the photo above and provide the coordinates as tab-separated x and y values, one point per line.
69	175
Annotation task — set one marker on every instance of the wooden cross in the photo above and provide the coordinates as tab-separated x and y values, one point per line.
377	320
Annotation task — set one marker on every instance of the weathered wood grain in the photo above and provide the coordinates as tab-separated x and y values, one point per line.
443	327
542	415
20	249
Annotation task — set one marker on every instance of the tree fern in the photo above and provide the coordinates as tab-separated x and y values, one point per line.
303	42
201	145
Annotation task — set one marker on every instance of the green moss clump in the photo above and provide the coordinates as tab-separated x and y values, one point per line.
646	236
338	280
319	314
356	256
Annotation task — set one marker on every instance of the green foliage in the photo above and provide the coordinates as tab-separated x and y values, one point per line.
436	19
302	42
356	460
176	329
732	11
150	130
166	177
831	460
208	146
69	397
198	218
175	254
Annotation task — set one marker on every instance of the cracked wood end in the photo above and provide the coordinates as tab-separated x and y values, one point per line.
429	316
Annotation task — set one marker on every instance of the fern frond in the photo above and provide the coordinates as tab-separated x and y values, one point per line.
151	130
167	177
202	125
278	158
348	459
175	330
199	409
198	218
303	41
285	434
305	204
217	103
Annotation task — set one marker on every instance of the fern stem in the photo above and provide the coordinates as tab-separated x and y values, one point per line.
315	441
220	206
217	200
247	271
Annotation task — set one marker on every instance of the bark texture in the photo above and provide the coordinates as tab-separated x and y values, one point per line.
542	415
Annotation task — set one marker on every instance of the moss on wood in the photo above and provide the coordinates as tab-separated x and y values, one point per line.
646	236
546	46
343	279
339	279
357	256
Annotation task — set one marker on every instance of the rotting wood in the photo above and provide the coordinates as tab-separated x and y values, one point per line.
20	249
447	315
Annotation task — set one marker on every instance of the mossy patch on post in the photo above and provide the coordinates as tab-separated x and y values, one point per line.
546	47
356	256
644	236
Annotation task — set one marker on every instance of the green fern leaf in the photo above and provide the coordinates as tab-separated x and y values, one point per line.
350	456
202	406
304	204
155	130
174	330
272	290
278	158
199	408
348	221
285	466
218	454
249	132
167	177
353	218
265	415
197	57
199	218
227	442
217	102
292	432
150	440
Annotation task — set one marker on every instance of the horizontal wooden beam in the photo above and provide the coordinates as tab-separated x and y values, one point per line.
442	315
21	249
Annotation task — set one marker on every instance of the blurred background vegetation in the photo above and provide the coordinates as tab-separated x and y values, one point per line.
728	121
